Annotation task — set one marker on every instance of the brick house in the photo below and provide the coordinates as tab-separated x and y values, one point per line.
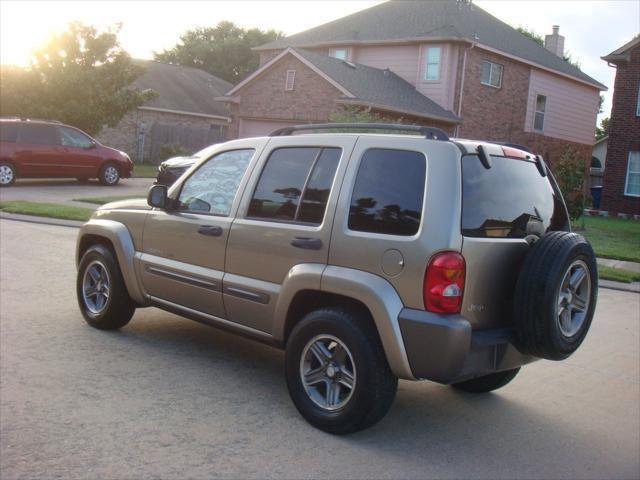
443	63
621	183
184	114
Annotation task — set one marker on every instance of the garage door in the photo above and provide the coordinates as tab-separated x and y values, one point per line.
260	128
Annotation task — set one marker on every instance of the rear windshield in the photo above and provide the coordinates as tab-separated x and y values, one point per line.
509	200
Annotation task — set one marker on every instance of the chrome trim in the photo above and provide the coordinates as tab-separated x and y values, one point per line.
209	285
247	294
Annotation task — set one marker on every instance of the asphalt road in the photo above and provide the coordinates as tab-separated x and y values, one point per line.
168	398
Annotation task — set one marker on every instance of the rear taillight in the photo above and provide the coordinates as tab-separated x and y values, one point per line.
444	283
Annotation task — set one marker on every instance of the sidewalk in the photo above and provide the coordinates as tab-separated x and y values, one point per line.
632	266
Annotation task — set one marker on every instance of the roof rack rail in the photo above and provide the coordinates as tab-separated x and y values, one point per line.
432	133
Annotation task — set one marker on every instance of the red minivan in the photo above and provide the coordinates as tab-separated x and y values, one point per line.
44	149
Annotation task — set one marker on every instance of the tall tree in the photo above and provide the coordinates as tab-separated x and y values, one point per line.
81	77
223	50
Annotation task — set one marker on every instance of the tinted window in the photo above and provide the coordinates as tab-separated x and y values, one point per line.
213	186
73	138
388	193
511	199
38	133
292	173
8	132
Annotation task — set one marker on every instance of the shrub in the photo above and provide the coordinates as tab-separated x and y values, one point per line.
570	174
169	150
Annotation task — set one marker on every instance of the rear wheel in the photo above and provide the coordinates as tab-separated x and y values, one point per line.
487	383
109	175
7	174
337	373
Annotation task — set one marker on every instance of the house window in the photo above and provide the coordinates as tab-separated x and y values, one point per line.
491	74
290	81
432	64
632	183
638	105
339	53
541	106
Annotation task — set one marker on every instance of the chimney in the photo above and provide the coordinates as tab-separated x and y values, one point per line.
555	42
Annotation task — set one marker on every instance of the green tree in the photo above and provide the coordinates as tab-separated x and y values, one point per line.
81	77
570	173
224	50
603	130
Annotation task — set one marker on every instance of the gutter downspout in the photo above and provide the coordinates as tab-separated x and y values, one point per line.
460	93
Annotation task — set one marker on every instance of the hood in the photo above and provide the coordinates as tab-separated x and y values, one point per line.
131	204
179	162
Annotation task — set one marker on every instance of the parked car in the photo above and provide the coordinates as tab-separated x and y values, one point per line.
48	149
171	169
449	260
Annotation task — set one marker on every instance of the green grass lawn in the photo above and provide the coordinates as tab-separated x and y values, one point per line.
52	210
103	200
613	237
145	170
618	274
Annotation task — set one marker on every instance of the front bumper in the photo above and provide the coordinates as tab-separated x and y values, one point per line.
445	349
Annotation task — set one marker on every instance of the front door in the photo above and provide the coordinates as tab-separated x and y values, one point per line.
79	155
182	263
284	220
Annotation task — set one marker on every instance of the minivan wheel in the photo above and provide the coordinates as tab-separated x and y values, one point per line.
7	174
337	373
109	175
487	383
555	296
102	295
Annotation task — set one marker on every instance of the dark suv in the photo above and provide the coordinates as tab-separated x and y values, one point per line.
42	149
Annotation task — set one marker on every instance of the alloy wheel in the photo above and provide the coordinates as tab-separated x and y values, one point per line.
6	175
573	298
96	287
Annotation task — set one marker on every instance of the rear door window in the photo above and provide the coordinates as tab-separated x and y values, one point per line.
8	131
38	134
509	200
295	184
388	192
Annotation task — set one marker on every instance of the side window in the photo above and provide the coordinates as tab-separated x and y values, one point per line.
73	138
388	192
295	184
339	53
38	133
491	74
432	64
541	107
213	186
8	131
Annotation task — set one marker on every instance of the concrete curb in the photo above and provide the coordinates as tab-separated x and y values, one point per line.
42	220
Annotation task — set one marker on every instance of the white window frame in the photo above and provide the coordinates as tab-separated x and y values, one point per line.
290	81
493	65
436	63
542	112
638	102
334	53
626	180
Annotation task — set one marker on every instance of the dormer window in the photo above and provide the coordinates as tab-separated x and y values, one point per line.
432	64
290	81
339	53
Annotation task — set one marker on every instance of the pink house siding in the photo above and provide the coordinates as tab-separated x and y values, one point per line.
441	91
400	59
571	108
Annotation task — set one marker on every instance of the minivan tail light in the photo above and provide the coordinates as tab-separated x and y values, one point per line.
443	285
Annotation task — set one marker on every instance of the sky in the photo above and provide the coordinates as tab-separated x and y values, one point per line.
592	28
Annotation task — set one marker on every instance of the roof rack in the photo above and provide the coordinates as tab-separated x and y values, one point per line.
428	132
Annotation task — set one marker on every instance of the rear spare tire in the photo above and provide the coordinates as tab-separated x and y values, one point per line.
555	296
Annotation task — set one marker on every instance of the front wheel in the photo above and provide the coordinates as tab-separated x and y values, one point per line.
102	295
7	174
109	175
337	373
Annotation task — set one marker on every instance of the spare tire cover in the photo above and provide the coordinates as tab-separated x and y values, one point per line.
555	296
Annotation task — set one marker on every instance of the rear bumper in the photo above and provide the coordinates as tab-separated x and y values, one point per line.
445	349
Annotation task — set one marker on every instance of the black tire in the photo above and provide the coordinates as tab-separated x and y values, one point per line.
7	174
109	175
543	288
118	308
487	383
374	386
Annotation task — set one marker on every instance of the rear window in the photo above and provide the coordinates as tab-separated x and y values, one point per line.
38	133
8	132
510	200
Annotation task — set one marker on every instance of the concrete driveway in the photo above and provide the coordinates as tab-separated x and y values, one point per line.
65	190
168	398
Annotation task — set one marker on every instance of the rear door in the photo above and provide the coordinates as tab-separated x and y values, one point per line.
38	150
284	220
501	208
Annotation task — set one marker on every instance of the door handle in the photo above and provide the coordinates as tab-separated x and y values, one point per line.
210	230
307	243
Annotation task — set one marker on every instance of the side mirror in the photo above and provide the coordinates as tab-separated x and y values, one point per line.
157	196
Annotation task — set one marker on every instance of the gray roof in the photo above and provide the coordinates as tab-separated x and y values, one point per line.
184	89
438	19
378	87
624	51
